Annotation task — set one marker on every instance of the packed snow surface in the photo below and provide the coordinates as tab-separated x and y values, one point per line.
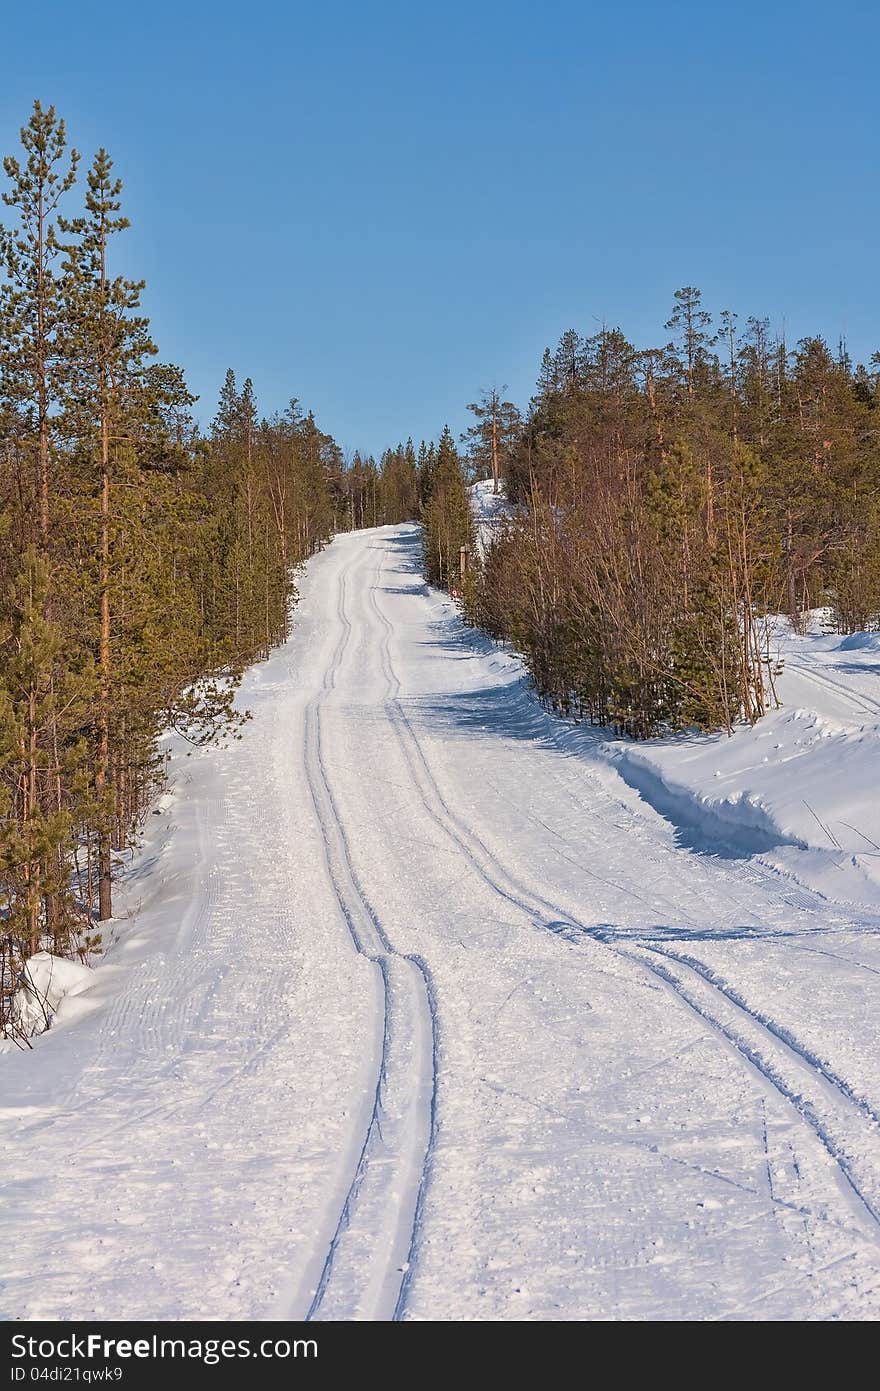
423	1004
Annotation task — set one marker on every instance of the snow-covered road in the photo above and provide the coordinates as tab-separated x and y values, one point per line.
426	1013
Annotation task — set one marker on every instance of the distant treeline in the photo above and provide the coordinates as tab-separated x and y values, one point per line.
668	501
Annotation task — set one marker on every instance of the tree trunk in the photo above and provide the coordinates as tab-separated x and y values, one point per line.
105	907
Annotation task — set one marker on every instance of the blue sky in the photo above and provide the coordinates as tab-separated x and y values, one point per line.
381	208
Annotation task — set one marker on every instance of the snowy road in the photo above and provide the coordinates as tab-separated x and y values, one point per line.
425	1013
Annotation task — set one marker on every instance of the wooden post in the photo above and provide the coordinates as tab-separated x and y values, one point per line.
463	561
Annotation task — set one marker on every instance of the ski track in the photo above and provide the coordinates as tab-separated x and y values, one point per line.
375	1287
803	1061
796	1093
492	872
370	1249
862	704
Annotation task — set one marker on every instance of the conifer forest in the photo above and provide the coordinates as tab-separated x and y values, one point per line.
144	563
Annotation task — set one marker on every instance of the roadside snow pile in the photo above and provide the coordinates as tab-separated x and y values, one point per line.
800	788
860	642
46	980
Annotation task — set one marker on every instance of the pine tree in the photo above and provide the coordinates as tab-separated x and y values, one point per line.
32	365
427	469
492	436
446	518
110	345
691	323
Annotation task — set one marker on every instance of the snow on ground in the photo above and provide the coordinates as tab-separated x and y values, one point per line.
47	983
490	511
427	1012
800	788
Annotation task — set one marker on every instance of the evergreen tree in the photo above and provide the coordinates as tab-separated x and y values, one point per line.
426	470
141	566
489	440
690	322
109	345
32	305
446	518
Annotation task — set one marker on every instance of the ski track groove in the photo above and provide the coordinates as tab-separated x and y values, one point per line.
783	1035
353	904
803	1107
863	704
497	877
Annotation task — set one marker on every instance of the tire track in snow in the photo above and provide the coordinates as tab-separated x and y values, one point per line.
366	1270
774	1040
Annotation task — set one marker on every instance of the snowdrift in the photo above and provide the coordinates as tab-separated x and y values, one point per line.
800	788
46	981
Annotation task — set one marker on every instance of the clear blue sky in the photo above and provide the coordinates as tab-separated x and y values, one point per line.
380	207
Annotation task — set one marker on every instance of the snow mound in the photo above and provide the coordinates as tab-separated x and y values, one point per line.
46	980
490	511
486	504
860	642
733	821
799	790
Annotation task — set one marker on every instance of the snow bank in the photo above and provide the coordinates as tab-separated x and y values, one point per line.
860	642
800	789
46	980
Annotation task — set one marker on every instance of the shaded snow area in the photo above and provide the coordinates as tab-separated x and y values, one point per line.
801	788
430	1006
